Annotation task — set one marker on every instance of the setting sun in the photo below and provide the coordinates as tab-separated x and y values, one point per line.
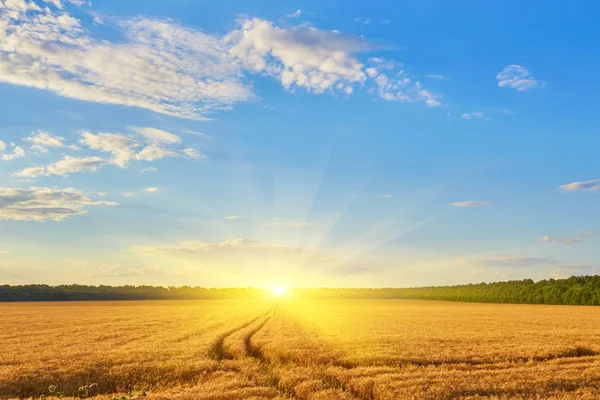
278	291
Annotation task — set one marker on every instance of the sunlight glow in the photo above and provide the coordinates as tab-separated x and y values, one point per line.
278	291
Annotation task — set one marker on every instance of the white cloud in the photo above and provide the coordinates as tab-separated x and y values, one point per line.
572	240
127	194
43	139
32	172
2	146
471	204
295	14
38	148
192	153
121	147
472	115
155	65
302	57
587	186
372	72
437	77
317	61
387	196
361	20
18	152
518	77
151	190
64	167
124	148
43	204
72	164
151	169
195	133
154	152
156	135
177	70
232	217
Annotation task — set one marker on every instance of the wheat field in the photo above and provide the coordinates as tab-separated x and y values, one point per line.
301	349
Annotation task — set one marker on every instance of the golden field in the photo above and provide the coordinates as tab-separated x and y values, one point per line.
302	349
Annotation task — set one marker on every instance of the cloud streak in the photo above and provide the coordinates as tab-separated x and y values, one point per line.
586	186
250	256
518	77
44	204
472	204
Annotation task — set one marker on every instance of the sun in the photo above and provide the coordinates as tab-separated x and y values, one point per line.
278	291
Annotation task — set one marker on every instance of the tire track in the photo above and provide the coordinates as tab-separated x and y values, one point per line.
256	353
217	351
264	366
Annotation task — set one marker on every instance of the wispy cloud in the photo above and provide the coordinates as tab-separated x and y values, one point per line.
155	144
43	204
518	77
295	14
192	154
127	194
472	115
196	133
151	189
437	77
64	167
387	196
120	272
586	186
41	140
248	255
156	135
361	20
232	217
472	204
573	240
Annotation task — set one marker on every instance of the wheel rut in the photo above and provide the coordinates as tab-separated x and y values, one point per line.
236	344
217	350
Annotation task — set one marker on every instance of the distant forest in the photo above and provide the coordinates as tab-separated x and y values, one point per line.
576	290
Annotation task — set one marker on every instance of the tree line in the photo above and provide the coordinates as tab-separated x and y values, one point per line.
576	290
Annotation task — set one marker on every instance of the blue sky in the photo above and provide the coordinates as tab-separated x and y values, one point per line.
298	143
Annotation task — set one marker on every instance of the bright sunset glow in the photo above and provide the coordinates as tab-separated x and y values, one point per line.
278	291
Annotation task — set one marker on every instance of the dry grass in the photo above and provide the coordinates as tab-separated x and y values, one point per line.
328	349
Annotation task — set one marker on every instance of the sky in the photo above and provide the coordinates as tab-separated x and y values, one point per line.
301	143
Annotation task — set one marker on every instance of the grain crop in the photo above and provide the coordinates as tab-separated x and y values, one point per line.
304	349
